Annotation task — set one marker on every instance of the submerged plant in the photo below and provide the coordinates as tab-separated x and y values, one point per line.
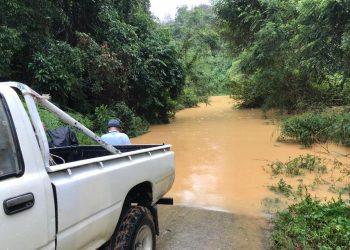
310	128
277	167
340	190
282	188
298	166
273	205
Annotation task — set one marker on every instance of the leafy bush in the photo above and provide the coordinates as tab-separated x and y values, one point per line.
91	53
309	128
313	225
340	129
58	71
10	44
202	52
188	98
131	124
287	53
51	121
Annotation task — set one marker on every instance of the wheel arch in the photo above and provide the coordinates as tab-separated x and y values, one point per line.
141	194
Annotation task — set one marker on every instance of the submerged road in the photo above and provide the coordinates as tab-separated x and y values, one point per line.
194	228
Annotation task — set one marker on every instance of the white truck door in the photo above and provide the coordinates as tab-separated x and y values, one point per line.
27	215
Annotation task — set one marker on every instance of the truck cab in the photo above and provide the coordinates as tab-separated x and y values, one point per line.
28	213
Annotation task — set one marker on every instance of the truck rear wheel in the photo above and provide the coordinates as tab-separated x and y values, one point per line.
136	231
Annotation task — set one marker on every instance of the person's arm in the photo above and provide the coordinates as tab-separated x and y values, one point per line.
103	138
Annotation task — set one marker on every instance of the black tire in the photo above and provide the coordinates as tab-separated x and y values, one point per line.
136	231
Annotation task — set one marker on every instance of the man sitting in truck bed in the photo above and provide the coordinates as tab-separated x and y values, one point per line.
114	135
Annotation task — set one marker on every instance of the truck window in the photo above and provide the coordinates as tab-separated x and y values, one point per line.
10	163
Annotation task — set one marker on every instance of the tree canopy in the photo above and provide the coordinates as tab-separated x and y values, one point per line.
91	53
203	53
289	54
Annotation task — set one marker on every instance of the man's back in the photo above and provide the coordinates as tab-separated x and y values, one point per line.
116	138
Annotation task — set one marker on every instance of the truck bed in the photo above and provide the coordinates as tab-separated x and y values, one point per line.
76	153
91	189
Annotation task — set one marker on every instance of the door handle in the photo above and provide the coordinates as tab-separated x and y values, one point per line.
19	203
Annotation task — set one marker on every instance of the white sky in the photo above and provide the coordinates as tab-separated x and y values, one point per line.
165	8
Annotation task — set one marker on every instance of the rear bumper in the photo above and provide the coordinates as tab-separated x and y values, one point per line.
165	201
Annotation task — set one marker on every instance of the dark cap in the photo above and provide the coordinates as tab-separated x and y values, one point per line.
114	123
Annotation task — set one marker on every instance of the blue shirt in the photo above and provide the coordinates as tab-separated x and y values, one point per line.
116	138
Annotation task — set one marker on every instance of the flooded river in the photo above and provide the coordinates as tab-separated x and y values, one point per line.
220	153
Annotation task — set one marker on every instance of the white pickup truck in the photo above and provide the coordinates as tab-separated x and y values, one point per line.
77	197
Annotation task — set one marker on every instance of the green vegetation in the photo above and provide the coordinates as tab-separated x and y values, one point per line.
132	124
112	56
203	54
87	54
109	58
282	188
330	173
313	225
310	128
302	222
292	55
51	122
298	166
289	54
340	190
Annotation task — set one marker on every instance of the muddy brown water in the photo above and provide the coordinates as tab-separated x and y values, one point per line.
220	153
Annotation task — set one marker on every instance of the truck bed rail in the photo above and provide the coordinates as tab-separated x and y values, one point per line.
100	160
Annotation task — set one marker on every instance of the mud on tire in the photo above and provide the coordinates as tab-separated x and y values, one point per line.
136	231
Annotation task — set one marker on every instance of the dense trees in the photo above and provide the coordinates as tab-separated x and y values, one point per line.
289	54
294	55
91	53
203	54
